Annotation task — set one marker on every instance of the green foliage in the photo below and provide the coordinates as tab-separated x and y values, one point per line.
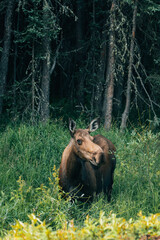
26	148
79	55
34	29
29	161
101	228
128	2
151	6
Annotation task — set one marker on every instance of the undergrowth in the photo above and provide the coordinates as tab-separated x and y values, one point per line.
29	160
100	228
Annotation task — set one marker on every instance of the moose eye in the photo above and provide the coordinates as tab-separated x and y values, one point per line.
79	141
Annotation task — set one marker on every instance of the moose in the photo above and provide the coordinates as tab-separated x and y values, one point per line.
87	164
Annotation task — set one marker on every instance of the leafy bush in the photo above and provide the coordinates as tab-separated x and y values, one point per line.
101	228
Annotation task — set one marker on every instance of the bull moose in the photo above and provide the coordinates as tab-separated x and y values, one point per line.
88	163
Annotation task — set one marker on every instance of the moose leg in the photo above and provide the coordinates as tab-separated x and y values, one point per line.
107	186
108	175
88	179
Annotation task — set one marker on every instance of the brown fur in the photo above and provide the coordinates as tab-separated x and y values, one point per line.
87	169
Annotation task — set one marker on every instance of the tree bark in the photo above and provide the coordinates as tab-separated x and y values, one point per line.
100	76
125	114
5	51
15	67
45	85
79	45
33	82
109	91
93	60
100	79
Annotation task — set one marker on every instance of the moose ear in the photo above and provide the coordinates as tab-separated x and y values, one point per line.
94	125
72	126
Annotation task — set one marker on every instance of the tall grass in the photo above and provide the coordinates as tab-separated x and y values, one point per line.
28	183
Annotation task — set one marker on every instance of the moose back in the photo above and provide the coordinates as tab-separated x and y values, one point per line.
88	163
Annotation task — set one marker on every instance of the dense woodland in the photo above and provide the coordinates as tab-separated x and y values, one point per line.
61	58
80	59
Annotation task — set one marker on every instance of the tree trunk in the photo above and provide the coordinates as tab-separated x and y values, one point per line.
15	67
45	86
108	98
128	92
93	61
33	82
79	45
5	51
100	79
14	77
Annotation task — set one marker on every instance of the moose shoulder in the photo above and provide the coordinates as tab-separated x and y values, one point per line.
87	164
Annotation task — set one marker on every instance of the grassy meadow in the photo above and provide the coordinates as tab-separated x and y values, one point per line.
29	160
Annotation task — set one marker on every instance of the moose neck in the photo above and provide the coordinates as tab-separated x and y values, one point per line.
74	164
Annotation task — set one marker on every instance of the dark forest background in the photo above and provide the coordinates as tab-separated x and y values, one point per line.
65	58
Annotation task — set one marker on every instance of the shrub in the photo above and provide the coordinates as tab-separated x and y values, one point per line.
101	228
